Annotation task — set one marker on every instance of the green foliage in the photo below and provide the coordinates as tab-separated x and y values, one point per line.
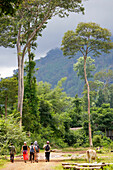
31	118
106	142
76	112
79	67
97	140
8	7
48	134
76	138
102	118
111	95
3	162
8	94
11	132
81	138
32	25
105	76
89	35
54	66
110	167
105	93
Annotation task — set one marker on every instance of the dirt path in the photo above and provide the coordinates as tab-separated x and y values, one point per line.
56	159
31	166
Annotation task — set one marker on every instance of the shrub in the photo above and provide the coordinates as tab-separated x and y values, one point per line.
108	167
10	132
97	141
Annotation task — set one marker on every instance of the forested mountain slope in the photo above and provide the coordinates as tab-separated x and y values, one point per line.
54	66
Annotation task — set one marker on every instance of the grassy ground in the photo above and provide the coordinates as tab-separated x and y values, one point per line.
3	162
104	155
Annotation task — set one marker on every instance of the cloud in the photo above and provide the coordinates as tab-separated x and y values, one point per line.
6	71
98	11
8	57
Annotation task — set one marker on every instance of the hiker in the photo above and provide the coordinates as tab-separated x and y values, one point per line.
12	152
32	151
47	151
37	150
25	151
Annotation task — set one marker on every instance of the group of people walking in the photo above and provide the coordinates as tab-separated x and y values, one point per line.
33	149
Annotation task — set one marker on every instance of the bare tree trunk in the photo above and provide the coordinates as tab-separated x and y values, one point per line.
22	86
19	76
88	89
21	63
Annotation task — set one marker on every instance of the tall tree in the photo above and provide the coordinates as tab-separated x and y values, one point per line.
87	38
37	13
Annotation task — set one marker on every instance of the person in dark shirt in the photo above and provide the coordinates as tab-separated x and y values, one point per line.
47	151
25	152
32	152
12	152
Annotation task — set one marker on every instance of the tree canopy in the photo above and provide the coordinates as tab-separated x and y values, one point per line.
87	38
8	7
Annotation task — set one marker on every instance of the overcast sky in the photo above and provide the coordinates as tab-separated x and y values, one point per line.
98	11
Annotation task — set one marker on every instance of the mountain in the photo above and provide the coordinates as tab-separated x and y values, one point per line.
54	66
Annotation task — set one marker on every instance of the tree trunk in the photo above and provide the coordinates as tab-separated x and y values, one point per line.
88	89
21	63
22	86
19	76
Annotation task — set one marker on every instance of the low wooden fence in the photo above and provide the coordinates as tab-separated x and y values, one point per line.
84	166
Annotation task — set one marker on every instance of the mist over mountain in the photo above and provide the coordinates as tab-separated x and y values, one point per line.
54	66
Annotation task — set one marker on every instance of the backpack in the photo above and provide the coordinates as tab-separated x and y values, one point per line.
47	148
31	148
12	150
37	148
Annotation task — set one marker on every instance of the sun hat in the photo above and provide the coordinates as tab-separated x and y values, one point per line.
35	143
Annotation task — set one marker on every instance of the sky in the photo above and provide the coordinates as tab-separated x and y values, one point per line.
98	11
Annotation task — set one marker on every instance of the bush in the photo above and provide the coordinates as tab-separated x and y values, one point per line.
97	141
106	142
58	142
108	167
47	134
10	132
76	138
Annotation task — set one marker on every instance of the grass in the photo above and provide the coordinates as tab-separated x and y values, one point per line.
71	149
106	156
3	162
58	167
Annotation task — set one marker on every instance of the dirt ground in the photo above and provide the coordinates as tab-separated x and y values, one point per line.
56	159
31	166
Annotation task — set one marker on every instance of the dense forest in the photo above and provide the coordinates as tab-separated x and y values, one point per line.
49	112
54	66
